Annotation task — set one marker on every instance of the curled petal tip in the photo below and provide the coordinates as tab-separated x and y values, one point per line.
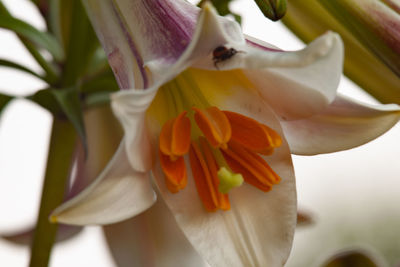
322	45
272	9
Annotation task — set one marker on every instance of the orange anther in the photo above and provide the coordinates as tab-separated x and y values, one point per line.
222	199
214	125
274	138
201	177
204	169
175	136
175	172
251	134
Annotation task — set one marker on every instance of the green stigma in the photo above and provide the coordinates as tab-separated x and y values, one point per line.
228	180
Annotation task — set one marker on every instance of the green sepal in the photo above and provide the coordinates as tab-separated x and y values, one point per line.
41	39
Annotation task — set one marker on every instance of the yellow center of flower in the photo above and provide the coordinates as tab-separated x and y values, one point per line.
223	147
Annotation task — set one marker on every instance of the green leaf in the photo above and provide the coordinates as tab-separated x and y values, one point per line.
11	64
50	69
4	100
63	103
46	99
43	7
42	39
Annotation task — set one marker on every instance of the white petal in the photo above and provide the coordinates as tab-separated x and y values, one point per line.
117	194
130	108
258	230
104	135
297	84
211	31
123	55
343	125
161	30
151	239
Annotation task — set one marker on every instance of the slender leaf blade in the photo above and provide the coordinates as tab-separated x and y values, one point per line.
42	39
4	100
14	65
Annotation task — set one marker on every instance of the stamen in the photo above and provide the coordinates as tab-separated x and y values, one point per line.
224	154
274	138
175	137
175	172
204	171
254	169
251	134
214	125
174	143
223	199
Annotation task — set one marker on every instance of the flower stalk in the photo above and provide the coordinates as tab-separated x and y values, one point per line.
59	162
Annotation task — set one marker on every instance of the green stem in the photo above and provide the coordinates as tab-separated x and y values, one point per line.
59	162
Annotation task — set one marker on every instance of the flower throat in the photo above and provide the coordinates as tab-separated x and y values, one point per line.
224	147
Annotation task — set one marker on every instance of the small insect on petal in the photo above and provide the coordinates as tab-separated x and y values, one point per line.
222	53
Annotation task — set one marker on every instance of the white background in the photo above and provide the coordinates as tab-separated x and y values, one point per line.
353	195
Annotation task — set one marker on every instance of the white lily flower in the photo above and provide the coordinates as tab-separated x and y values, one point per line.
207	109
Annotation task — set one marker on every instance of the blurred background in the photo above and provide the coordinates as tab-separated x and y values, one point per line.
352	196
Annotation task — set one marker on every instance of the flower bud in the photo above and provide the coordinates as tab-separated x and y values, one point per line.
369	29
272	9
